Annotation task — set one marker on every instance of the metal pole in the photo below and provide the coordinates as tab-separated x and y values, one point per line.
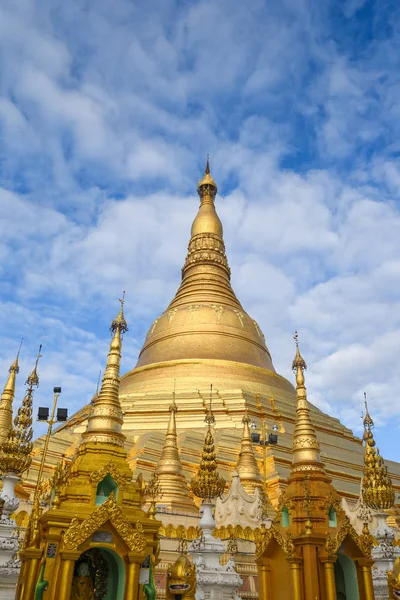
50	423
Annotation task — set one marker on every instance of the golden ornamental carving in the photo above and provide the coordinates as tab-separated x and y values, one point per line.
264	537
393	578
364	542
377	488
15	452
331	500
208	483
109	468
305	442
79	531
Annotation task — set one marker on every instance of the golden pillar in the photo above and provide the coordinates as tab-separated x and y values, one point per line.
132	577
365	567
264	580
330	583
66	573
295	570
32	557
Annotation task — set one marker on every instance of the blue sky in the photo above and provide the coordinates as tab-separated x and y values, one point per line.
107	111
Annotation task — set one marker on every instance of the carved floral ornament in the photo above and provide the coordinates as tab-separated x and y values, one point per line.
364	542
79	531
265	537
334	502
108	469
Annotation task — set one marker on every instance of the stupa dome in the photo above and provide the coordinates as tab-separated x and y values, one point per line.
204	335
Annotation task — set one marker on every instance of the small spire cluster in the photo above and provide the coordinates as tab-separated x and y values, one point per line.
377	488
15	452
208	483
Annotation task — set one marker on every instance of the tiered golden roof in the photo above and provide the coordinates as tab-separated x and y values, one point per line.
6	400
305	447
208	483
15	453
105	419
172	483
377	489
246	466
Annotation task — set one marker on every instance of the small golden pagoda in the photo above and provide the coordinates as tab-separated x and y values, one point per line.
173	487
95	535
247	466
312	552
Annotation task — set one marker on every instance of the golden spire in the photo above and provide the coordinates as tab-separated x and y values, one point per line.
16	450
208	483
96	394
305	447
377	489
206	263
246	465
105	419
7	398
172	482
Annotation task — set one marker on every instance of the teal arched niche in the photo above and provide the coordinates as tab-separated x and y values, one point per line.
116	575
285	517
332	517
104	489
346	578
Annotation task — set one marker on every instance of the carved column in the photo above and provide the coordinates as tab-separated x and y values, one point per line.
66	573
264	579
365	567
132	577
329	572
32	557
295	570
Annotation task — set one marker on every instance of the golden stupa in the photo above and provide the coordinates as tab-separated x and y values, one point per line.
205	336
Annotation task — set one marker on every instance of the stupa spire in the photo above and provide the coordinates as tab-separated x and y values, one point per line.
246	466
172	482
105	420
7	398
206	272
16	449
377	488
305	447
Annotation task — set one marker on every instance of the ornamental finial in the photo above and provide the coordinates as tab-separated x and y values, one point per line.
377	488
207	188
368	422
33	378
120	321
210	419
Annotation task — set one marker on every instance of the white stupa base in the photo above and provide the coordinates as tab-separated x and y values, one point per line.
9	566
384	556
213	580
